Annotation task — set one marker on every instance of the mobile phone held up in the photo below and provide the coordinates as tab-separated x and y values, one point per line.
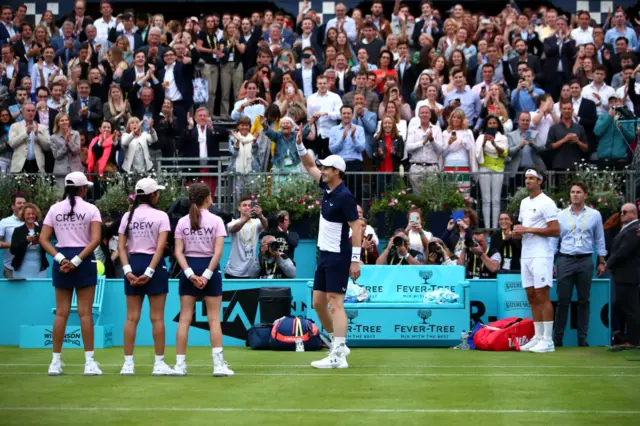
254	204
457	215
413	218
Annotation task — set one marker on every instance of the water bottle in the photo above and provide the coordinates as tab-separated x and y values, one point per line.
464	344
299	345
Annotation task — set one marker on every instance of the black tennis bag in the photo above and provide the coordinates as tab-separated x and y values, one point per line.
258	337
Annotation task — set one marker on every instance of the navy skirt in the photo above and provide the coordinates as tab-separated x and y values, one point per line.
214	285
85	275
158	284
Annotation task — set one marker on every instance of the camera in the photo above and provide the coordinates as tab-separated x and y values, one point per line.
398	241
274	246
474	243
623	113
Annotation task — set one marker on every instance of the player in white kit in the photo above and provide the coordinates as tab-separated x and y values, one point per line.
539	224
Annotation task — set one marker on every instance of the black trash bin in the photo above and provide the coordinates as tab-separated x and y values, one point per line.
275	302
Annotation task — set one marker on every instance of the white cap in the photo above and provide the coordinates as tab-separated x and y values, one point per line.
533	173
334	161
147	186
77	179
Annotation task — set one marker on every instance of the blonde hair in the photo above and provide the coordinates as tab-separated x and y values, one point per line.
131	121
458	112
114	108
30	206
56	123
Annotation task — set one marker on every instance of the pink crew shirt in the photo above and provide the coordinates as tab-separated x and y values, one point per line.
146	225
74	230
201	242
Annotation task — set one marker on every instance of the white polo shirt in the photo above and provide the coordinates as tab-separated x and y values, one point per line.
536	213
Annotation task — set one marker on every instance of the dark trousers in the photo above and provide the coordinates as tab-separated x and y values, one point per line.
180	114
233	277
321	147
354	182
554	84
573	273
628	301
30	166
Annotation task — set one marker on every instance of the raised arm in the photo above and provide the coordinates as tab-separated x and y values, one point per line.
306	159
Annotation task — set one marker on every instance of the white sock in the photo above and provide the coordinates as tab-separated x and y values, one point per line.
88	356
340	341
539	327
56	356
181	359
216	351
159	358
548	330
128	359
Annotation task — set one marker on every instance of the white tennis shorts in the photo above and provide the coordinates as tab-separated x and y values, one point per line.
537	272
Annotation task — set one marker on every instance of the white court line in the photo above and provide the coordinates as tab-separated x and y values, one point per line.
579	367
320	410
35	373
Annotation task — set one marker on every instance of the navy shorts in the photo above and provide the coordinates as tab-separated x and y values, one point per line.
158	284
214	285
332	273
85	275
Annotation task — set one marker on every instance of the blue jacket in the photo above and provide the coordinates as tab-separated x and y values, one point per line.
284	146
613	141
61	52
369	123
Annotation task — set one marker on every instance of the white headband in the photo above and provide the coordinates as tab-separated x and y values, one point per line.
533	173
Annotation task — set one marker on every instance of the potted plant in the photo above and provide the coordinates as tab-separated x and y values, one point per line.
38	189
389	211
438	196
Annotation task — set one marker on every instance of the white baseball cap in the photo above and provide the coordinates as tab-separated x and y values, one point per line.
148	186
77	179
334	161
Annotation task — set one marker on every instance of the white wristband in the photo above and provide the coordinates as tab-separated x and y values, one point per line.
59	257
207	274
149	272
302	151
188	272
127	269
355	254
76	261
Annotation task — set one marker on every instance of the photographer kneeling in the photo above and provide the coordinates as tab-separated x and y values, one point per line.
439	254
273	263
479	260
398	252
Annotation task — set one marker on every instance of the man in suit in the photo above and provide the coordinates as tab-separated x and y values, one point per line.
560	52
45	116
29	141
308	39
11	66
427	23
177	80
525	56
526	32
525	147
134	37
403	66
153	49
26	49
85	112
624	264
66	45
135	73
78	18
305	76
585	113
8	33
146	97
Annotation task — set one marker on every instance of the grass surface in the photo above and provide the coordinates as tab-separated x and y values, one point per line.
383	387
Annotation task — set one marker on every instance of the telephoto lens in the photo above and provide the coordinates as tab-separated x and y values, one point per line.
274	246
398	241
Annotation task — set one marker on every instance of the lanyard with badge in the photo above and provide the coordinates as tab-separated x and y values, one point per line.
475	265
232	50
266	270
507	255
213	45
459	247
249	251
577	240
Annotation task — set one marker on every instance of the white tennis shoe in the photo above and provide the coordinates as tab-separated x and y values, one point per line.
220	367
91	369
128	369
530	344
55	369
180	369
161	368
543	346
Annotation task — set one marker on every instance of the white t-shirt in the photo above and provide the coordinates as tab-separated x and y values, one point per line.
242	259
536	213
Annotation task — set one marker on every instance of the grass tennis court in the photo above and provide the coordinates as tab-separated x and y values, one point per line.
383	386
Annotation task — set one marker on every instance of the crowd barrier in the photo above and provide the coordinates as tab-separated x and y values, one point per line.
29	303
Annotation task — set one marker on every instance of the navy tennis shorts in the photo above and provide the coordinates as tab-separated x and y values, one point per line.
332	273
158	284
214	285
85	275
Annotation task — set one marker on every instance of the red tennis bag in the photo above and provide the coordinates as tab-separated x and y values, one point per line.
508	334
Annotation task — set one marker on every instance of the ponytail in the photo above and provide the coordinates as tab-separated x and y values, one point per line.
140	199
198	193
71	192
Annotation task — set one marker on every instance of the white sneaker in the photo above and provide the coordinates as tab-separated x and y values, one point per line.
221	368
343	350
543	346
162	369
55	369
180	369
334	360
128	369
530	344
91	369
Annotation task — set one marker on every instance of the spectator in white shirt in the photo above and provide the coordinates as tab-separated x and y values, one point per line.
425	145
584	33
343	23
42	71
135	142
543	118
598	91
107	22
251	106
325	106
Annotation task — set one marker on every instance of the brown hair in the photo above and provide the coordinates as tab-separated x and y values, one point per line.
30	206
613	222
472	215
198	193
414	209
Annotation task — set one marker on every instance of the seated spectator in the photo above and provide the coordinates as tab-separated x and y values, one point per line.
369	251
101	149
65	146
29	258
244	149
509	248
492	148
136	142
29	141
274	263
613	138
425	147
479	260
398	251
418	237
439	254
288	239
369	229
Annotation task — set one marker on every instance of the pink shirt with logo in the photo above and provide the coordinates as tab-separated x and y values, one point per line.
146	225
201	242
74	230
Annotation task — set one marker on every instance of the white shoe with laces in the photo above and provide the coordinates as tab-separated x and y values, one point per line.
221	368
180	369
91	369
543	346
55	369
162	369
128	369
337	358
532	343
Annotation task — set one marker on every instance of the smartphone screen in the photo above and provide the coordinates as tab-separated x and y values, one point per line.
413	217
369	237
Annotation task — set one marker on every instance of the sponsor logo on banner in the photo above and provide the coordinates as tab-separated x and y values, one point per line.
362	331
424	329
108	338
512	286
73	337
509	306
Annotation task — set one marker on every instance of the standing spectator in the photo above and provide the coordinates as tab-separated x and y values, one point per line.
623	264
29	258
525	147
621	29
244	149
544	117
251	106
583	34
209	48
425	146
305	77
566	139
65	146
43	70
492	148
107	23
459	150
136	142
85	112
560	52
66	45
284	158
525	57
342	22
347	140
598	91
387	152
613	138
244	233
7	227
177	80
462	96
581	233
510	248
371	99
8	33
116	110
370	43
6	152
585	112
101	148
523	98
29	142
231	71
366	119
326	107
